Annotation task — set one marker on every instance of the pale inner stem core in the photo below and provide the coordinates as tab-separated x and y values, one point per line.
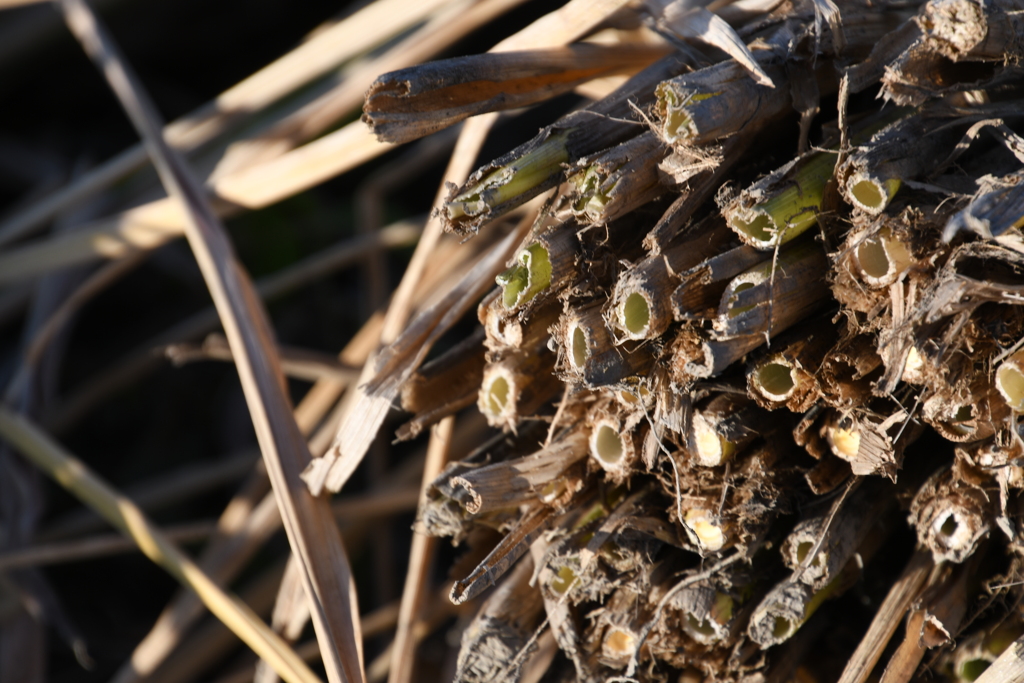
620	643
756	224
873	259
608	445
869	194
1010	381
579	348
776	380
636	313
497	396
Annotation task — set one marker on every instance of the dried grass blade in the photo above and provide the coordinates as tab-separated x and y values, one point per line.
141	361
397	363
566	24
403	657
360	403
96	546
902	594
73	475
311	530
297	363
7	4
700	24
1009	666
451	23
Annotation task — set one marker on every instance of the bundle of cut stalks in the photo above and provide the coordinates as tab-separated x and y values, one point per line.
741	400
761	330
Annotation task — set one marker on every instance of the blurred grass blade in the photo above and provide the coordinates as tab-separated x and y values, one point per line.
453	22
312	532
573	20
370	26
73	475
153	224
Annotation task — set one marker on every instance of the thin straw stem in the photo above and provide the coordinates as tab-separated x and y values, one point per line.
403	657
120	511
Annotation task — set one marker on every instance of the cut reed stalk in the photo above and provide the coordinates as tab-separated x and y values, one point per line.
770	297
902	151
848	373
869	443
880	256
503	627
545	265
701	290
951	516
792	602
538	519
588	352
785	204
510	483
614	443
972	414
537	166
405	105
443	386
517	385
1009	666
723	426
640	307
717	101
823	541
619	180
790	377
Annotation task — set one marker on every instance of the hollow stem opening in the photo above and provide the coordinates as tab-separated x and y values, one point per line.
734	310
802	549
607	445
783	628
708	534
517	179
529	277
873	260
700	627
496	397
580	352
563	580
881	258
972	669
776	380
755	224
871	194
636	313
949	526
